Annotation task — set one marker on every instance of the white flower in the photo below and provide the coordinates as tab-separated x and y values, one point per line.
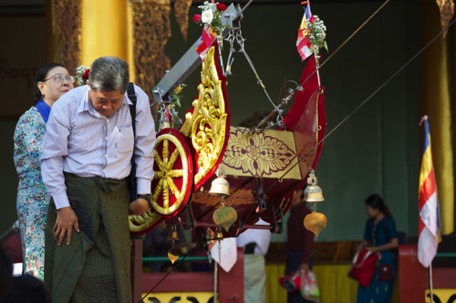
207	16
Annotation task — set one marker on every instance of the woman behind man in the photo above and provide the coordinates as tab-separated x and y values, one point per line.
51	81
380	236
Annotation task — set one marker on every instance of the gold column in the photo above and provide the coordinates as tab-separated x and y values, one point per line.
436	103
105	31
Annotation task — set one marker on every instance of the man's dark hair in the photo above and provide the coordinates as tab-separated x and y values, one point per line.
109	74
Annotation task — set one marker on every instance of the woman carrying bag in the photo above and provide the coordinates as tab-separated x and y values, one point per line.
379	236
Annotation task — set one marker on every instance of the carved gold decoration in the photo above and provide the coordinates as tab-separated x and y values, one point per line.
238	197
446	8
151	31
266	154
139	224
181	8
207	124
167	172
66	25
225	216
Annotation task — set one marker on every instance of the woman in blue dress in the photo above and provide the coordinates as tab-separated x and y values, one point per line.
51	82
380	236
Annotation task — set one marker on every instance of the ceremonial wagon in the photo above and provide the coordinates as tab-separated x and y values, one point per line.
219	179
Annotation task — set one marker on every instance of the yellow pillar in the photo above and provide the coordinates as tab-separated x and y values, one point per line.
436	104
105	31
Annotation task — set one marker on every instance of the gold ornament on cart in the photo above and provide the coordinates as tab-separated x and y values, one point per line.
224	216
173	252
315	221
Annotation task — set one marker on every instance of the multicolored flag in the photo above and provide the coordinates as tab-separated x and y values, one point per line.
303	42
206	40
429	220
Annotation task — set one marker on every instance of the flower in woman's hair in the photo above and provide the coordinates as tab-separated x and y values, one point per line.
207	16
197	18
85	75
221	7
82	74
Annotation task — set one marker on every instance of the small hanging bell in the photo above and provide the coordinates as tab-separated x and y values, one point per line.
218	233
313	192
173	235
220	185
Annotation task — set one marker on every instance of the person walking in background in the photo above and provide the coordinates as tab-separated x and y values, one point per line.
380	236
256	244
299	242
51	82
86	162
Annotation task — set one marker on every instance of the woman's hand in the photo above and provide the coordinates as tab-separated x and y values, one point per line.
304	266
371	249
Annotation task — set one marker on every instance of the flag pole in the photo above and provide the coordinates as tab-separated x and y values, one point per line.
430	283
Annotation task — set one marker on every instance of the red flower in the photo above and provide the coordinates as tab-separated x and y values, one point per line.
221	7
312	19
85	75
196	18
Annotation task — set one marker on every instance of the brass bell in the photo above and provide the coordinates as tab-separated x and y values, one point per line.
218	233
313	192
220	185
173	235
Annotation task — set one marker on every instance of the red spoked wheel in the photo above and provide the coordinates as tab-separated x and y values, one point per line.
173	173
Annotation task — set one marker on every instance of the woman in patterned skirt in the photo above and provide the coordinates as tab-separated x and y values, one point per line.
51	81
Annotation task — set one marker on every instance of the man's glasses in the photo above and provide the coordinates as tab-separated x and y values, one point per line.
60	78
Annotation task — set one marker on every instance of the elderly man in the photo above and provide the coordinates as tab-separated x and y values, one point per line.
86	162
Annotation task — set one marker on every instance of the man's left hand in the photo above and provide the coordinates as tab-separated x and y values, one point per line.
139	207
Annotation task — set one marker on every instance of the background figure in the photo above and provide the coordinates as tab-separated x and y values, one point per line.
6	274
256	244
299	242
380	236
51	82
27	289
86	164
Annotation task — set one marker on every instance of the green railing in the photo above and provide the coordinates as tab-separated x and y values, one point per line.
446	254
164	259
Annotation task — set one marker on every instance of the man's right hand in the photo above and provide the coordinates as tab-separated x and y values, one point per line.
66	220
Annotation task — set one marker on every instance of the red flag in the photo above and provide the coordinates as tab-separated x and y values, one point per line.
429	221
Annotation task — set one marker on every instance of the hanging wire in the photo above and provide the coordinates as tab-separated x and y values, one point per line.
240	40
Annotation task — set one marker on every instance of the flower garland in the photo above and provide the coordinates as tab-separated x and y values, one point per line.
317	34
211	14
82	74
